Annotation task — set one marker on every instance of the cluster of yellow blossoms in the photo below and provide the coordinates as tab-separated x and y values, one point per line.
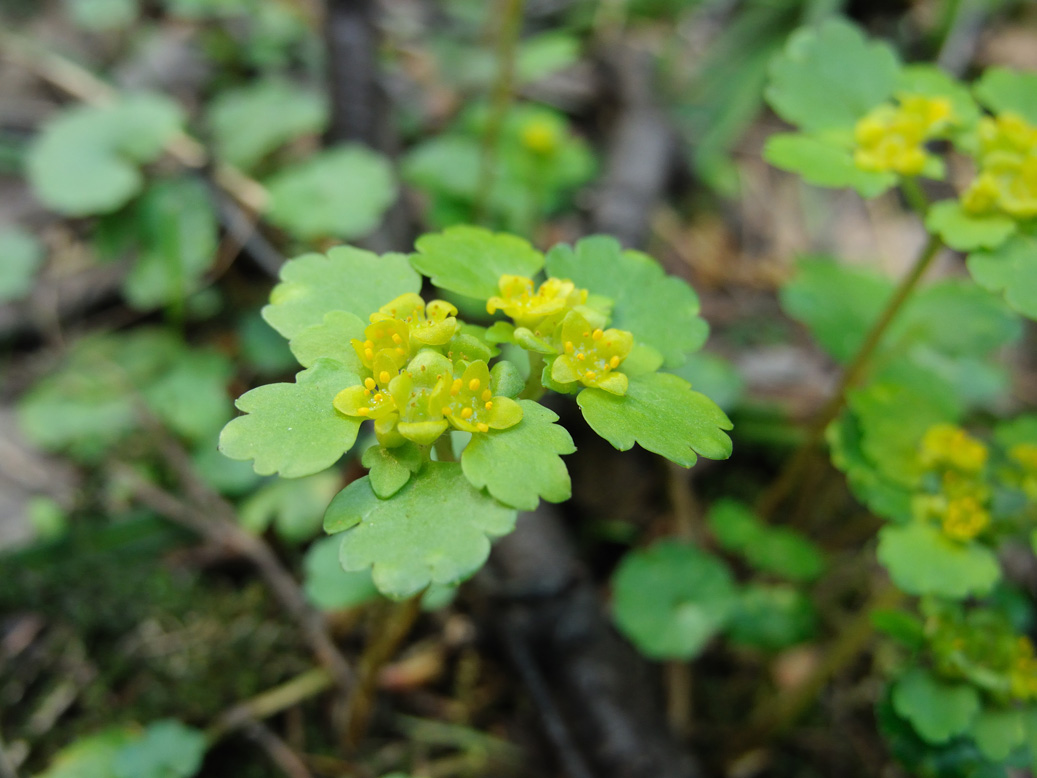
958	459
892	138
1007	178
556	321
1023	673
541	135
1025	456
422	376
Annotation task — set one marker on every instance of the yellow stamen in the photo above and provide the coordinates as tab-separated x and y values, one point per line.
384	376
456	387
474	384
614	362
363	411
589	375
369	383
581	357
448	411
489	405
486	395
482	427
466	413
597	334
368	344
400	351
379	397
368	354
569	347
396	338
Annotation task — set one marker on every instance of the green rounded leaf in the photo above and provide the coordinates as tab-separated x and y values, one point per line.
937	710
294	506
342	192
471	260
829	76
662	415
772	617
922	560
293	429
659	309
331	339
327	585
91	756
931	81
86	160
521	464
671	599
345	279
177	230
168	749
1011	269
964	231
436	529
999	732
250	122
21	255
824	163
1003	90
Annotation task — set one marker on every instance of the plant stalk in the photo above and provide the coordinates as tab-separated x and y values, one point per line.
790	475
503	92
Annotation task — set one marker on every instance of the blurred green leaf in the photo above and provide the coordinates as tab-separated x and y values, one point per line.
777	550
772	617
21	255
965	231
250	122
102	15
922	560
829	76
471	260
1011	270
999	732
177	230
937	710
86	159
823	163
715	377
91	756
1004	90
671	599
342	192
168	749
295	507
327	585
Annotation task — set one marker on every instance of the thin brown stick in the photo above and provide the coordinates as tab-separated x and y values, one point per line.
790	475
273	701
280	753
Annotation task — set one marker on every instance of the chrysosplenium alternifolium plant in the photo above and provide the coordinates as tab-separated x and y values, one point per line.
604	325
967	684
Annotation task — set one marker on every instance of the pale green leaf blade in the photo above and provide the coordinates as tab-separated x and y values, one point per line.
331	339
342	192
1003	90
937	710
659	309
21	255
168	749
190	395
85	161
250	122
293	429
1011	269
521	464
92	756
436	529
999	732
964	231
294	506
177	229
824	164
471	260
829	76
671	599
391	468
922	560
327	585
345	279
662	414
772	617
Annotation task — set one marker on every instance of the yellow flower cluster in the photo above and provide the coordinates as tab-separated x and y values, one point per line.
1025	456
1007	158
949	446
892	138
541	136
556	318
959	459
411	389
1023	674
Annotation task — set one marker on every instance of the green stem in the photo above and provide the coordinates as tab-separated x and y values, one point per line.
534	388
782	486
503	92
914	195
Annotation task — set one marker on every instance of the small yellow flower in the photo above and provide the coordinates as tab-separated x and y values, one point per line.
892	138
420	420
1007	179
947	445
591	355
964	519
1023	674
372	399
387	337
468	401
429	325
528	308
541	136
